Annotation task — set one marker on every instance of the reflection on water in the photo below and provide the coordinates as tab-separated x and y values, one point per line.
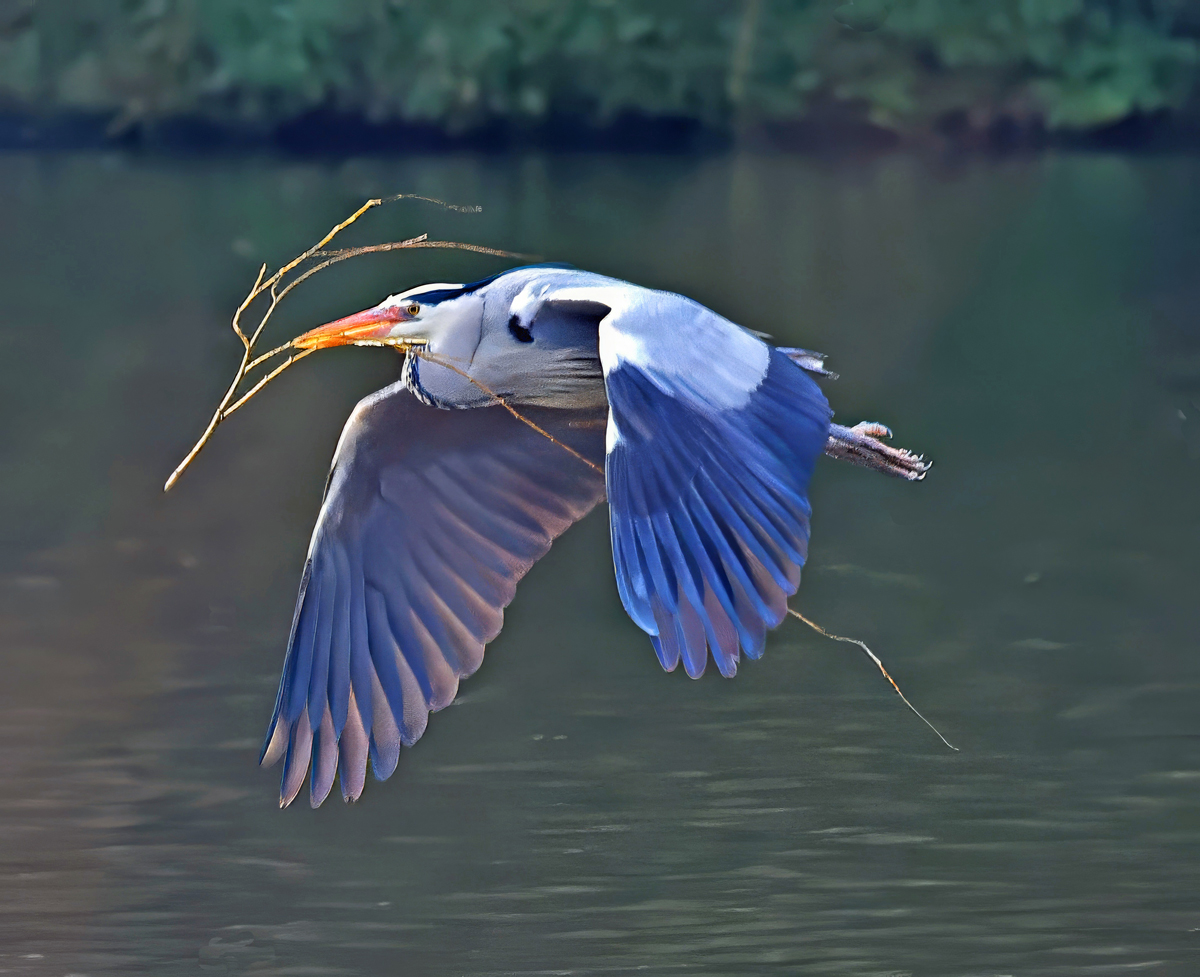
1030	324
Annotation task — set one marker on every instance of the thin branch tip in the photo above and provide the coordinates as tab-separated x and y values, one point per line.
875	658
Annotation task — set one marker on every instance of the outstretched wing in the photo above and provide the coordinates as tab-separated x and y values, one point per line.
430	519
711	441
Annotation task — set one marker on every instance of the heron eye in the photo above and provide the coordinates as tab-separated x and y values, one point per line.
413	309
520	333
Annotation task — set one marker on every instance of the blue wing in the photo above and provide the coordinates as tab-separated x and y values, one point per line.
712	438
430	519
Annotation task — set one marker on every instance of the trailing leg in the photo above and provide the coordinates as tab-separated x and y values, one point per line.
861	445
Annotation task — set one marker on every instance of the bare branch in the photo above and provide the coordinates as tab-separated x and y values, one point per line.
277	289
426	355
264	381
870	654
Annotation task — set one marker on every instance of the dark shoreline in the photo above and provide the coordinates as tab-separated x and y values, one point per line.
331	134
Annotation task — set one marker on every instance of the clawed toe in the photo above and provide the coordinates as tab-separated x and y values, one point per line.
873	429
861	445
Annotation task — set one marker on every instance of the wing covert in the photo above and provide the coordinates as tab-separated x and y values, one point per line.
430	519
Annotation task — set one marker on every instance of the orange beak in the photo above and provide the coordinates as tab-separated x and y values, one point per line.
371	327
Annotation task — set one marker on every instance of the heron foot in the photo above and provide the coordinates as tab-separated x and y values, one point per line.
861	445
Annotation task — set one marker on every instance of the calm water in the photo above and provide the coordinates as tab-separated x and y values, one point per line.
1033	325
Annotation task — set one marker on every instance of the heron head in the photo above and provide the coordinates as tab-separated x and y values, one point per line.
413	318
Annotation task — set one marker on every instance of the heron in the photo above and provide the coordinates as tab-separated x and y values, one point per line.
525	399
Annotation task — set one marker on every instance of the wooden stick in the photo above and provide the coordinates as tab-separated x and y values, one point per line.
875	659
271	286
265	380
433	358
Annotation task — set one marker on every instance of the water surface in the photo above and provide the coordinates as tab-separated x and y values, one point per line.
1031	324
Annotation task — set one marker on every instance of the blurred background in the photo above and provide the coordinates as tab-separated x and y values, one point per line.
987	214
395	74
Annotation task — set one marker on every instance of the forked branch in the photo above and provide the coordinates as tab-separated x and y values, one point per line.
278	285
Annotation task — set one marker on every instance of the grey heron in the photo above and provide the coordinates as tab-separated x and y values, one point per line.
702	436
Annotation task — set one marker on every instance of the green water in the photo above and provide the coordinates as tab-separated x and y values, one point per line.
1031	324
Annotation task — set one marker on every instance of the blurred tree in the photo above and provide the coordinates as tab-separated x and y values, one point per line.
908	65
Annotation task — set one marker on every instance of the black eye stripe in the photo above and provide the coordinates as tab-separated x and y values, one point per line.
520	333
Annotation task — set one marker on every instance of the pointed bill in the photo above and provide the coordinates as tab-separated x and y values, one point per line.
372	327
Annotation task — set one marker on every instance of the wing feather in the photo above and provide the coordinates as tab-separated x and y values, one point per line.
430	519
711	444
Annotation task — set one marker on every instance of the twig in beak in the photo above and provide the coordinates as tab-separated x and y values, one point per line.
272	286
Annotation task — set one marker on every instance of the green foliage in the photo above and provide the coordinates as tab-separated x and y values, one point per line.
905	64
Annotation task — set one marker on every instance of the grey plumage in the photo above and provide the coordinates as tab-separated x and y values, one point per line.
702	437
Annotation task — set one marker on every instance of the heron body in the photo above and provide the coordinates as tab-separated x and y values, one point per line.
702	436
